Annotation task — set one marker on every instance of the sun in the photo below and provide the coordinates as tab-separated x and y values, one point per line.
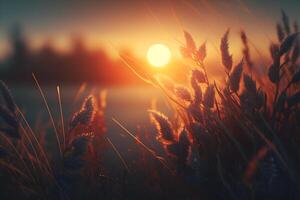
158	55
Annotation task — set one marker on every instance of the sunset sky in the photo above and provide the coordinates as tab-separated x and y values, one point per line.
135	24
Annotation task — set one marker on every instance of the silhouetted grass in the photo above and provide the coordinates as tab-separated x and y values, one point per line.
32	172
243	136
235	140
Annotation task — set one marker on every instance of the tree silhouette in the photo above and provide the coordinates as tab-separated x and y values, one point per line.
20	50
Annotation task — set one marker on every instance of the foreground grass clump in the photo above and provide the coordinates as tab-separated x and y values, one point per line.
30	171
234	140
239	139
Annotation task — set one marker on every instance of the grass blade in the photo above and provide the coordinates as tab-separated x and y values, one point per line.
118	154
49	112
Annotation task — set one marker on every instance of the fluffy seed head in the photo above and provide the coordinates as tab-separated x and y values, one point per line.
190	43
274	51
249	84
246	50
183	93
226	56
163	126
274	73
209	97
286	22
244	37
280	32
287	44
184	146
86	114
180	149
235	77
201	53
197	77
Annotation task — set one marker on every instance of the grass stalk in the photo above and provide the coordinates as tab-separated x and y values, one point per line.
160	159
118	154
61	118
49	112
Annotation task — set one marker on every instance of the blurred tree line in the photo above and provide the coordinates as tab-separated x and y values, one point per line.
78	65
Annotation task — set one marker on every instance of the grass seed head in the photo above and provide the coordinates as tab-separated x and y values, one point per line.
288	43
189	44
235	77
163	126
201	53
286	22
226	56
183	93
280	32
209	97
86	113
250	84
197	77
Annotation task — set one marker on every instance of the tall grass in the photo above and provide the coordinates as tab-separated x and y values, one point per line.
234	140
242	136
29	171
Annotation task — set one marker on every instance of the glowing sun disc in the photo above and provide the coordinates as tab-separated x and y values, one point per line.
158	55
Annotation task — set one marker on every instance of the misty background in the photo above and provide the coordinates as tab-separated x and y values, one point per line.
79	41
